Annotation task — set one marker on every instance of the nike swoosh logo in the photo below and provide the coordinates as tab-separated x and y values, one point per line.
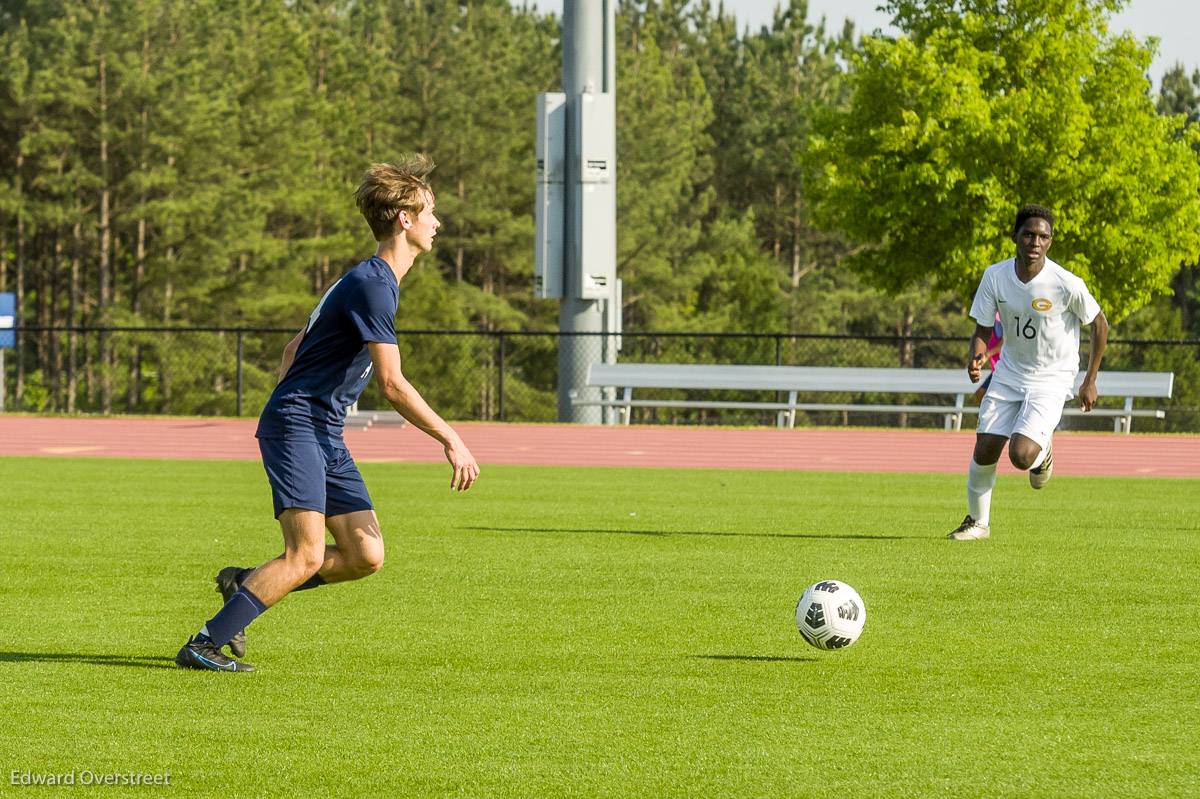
214	665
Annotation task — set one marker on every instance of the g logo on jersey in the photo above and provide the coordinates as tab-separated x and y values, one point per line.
1041	305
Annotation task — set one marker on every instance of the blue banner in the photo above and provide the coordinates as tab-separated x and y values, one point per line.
8	319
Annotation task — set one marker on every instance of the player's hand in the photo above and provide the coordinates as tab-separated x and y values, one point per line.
975	366
1087	395
466	470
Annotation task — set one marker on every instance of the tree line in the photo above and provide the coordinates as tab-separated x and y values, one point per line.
168	164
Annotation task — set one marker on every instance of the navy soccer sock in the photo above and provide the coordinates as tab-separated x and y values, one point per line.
241	609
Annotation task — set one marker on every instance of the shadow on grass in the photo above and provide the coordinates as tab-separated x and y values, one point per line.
684	532
128	661
759	658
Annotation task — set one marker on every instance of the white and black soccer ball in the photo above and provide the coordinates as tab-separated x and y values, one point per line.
830	615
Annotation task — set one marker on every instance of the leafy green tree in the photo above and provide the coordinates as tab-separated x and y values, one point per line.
978	110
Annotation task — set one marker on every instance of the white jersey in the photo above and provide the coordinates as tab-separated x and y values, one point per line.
1041	321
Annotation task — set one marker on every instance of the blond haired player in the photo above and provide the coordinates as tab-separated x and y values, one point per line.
315	484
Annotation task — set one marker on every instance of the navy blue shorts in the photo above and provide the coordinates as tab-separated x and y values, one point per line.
312	476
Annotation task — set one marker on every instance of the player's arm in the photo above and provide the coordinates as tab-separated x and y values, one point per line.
289	354
978	352
1098	340
408	402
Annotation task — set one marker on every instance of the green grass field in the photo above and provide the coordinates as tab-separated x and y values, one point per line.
605	633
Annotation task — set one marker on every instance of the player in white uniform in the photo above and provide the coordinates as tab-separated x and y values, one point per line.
1041	306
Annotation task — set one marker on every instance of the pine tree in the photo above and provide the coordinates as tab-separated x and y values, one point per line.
663	174
1180	98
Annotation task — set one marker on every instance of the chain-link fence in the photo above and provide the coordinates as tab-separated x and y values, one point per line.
509	376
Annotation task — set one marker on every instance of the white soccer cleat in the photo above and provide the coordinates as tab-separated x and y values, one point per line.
970	530
1041	475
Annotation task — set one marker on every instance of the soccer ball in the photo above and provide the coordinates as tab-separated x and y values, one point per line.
830	615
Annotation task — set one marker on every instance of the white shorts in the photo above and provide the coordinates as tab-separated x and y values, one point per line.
1033	415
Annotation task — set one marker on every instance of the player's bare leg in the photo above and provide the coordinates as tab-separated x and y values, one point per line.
307	562
303	555
981	479
1042	466
1023	452
988	448
358	551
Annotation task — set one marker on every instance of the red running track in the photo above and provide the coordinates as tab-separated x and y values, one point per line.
576	445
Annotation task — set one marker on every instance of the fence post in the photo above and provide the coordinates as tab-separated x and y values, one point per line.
782	415
500	389
19	393
240	353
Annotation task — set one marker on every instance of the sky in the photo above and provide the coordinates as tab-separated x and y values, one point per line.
1175	22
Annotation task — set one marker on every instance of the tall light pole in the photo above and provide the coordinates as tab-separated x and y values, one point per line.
576	254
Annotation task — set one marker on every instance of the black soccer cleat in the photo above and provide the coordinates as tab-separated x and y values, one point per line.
207	657
227	585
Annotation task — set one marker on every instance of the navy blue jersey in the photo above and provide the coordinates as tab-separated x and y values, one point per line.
332	365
